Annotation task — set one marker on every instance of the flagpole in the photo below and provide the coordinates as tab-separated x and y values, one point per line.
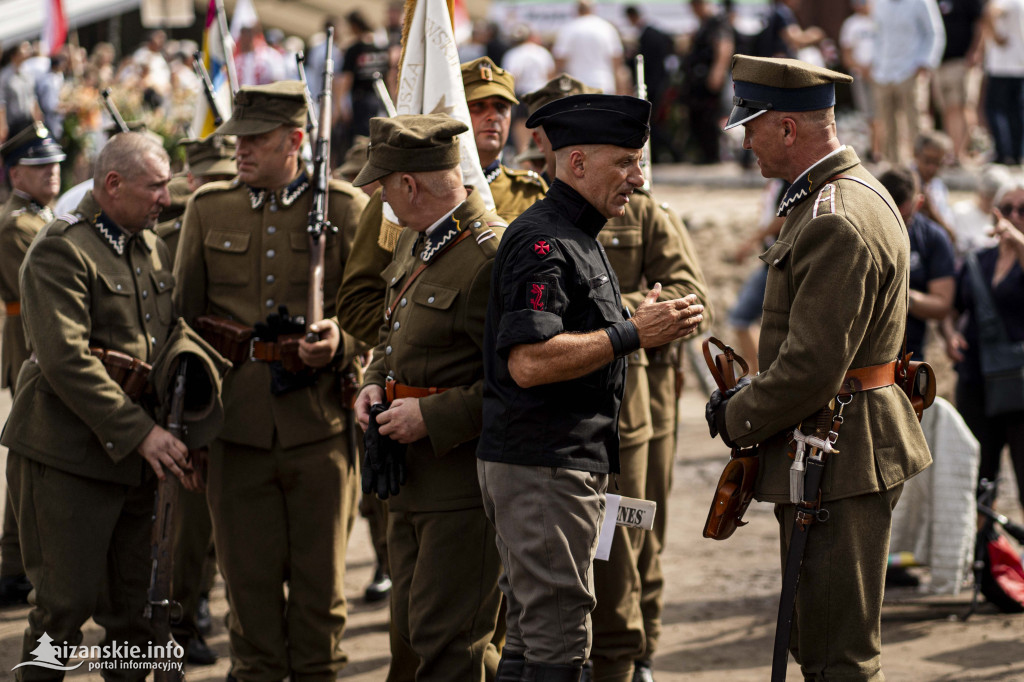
229	54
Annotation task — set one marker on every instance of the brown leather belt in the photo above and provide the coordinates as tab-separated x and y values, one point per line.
274	351
868	378
396	390
128	372
13	308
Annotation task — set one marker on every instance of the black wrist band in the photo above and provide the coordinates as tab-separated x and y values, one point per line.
625	338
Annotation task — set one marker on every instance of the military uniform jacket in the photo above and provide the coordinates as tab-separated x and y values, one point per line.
243	253
169	228
644	246
836	299
22	219
514	191
434	338
361	296
86	283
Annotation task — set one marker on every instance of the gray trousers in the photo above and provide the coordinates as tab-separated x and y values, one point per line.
546	522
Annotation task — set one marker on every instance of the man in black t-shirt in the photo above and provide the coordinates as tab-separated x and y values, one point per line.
363	61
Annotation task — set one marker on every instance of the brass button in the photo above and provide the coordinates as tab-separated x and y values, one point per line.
615	241
430	300
118	287
227	244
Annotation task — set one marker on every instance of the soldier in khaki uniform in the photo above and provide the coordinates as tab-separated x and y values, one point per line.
643	246
428	366
835	303
32	159
282	482
83	447
206	160
490	93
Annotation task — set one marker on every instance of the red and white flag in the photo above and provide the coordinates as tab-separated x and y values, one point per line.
55	27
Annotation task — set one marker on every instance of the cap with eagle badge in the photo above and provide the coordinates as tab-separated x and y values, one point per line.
558	87
483	78
763	84
617	120
411	143
261	108
32	146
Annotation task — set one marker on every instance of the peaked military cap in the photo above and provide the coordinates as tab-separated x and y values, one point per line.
213	155
761	84
32	146
618	120
355	158
483	78
411	143
261	108
558	87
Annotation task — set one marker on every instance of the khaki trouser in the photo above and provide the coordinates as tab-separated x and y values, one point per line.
86	546
194	567
10	549
546	521
896	108
660	460
444	595
618	620
284	517
837	627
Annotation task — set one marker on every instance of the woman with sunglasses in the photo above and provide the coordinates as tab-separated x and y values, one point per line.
1002	268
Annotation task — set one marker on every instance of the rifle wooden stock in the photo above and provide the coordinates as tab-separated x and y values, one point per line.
114	113
204	77
318	222
160	608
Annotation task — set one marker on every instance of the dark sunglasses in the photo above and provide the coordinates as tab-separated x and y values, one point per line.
1007	209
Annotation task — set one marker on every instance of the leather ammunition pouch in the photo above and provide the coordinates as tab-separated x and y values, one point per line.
917	379
131	374
229	338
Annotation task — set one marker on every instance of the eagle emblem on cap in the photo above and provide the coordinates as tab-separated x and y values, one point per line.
486	73
565	84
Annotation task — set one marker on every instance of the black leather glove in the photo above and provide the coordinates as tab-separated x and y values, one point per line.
714	412
384	461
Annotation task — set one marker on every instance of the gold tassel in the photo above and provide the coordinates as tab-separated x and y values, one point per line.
389	233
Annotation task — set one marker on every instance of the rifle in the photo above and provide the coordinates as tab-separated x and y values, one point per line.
204	77
318	221
311	122
641	93
114	113
382	94
160	608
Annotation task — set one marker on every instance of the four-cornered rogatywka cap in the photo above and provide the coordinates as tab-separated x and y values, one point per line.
261	108
762	84
411	143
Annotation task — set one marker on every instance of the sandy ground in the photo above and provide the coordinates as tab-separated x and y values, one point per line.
721	597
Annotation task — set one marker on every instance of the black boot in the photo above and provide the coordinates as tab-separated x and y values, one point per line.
550	672
510	667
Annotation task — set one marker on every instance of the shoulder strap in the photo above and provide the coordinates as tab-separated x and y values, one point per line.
990	326
868	185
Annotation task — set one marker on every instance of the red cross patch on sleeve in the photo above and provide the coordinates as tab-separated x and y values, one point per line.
538	295
542	248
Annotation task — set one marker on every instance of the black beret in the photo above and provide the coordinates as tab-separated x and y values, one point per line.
594	119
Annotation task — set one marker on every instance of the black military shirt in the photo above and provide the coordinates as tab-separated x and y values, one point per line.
551	276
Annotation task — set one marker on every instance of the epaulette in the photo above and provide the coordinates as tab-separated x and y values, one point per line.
345	187
217	186
168	227
825	202
61	223
16	212
523	175
486	236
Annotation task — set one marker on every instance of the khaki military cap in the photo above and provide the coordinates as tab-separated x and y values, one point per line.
214	155
355	158
261	108
558	87
411	143
761	84
32	146
483	78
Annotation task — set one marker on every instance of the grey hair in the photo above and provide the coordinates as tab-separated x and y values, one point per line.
126	154
1014	183
991	179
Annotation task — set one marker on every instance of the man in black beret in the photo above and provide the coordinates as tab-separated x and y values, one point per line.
555	343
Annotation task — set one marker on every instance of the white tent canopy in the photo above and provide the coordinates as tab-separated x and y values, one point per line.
23	19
